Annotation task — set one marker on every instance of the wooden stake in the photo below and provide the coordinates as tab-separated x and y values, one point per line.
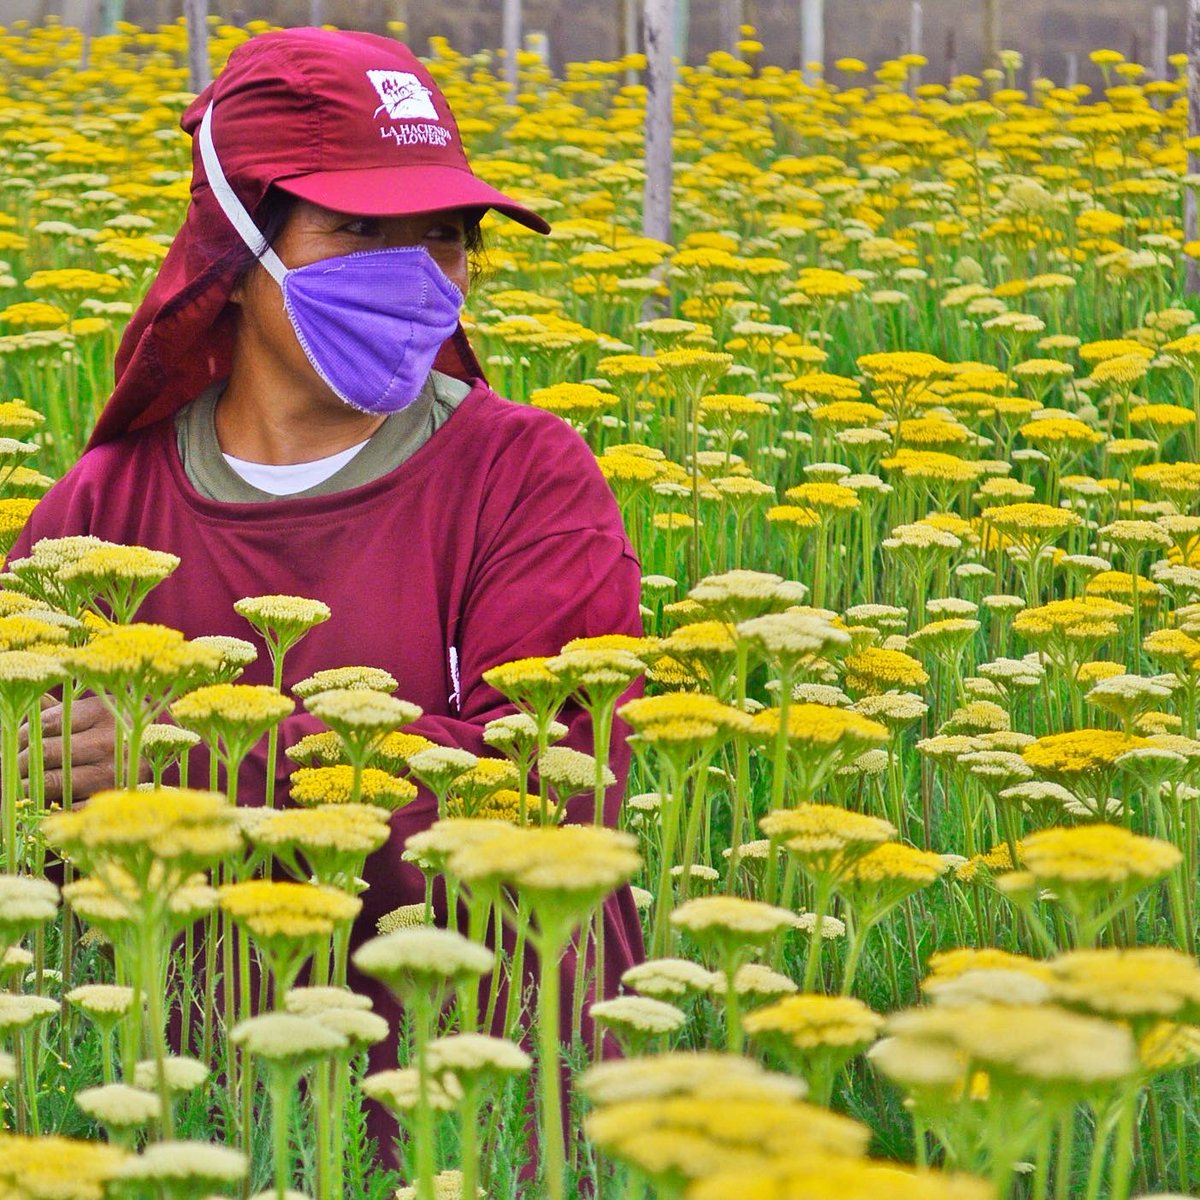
629	33
199	72
732	18
1189	216
659	22
683	28
512	43
1158	42
91	18
397	14
915	30
991	33
812	37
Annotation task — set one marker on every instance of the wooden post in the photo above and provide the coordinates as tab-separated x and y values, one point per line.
683	28
914	41
1189	217
629	35
732	18
1072	69
111	11
538	42
991	33
812	37
1158	42
316	12
199	72
659	21
397	16
91	17
951	53
511	36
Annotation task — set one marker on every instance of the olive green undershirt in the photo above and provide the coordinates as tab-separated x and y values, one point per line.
400	436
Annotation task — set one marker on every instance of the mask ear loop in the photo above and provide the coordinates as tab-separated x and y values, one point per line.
231	206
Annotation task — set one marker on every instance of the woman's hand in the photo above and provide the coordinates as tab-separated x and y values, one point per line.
93	737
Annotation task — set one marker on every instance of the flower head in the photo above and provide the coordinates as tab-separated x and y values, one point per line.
424	955
555	862
344	679
282	620
361	711
286	1039
190	1164
57	1168
311	786
118	1105
809	1021
271	909
1096	855
136	829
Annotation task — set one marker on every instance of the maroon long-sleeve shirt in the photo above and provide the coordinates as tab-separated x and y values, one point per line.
496	540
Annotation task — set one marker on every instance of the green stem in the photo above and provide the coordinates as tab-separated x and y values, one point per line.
671	810
468	1112
26	1041
423	1148
858	939
1066	1152
273	732
516	974
812	963
280	1096
549	946
733	1017
1122	1163
779	760
151	953
10	796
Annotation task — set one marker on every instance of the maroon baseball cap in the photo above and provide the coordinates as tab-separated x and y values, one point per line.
351	121
347	120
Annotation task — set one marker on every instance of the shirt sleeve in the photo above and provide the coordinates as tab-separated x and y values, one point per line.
552	563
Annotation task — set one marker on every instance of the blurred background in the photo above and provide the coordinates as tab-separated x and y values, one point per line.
1054	36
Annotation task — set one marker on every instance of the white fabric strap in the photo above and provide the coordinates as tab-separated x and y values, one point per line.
231	206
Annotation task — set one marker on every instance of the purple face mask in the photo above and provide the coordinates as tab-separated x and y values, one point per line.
371	323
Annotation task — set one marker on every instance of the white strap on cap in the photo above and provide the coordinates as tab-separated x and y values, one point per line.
231	206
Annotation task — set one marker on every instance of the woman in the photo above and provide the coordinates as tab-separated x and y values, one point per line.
297	410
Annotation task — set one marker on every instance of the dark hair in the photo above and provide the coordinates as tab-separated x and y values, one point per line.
276	206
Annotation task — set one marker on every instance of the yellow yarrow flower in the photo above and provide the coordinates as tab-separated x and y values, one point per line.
818	725
289	911
130	825
1140	984
55	1167
875	670
255	705
312	786
1096	854
811	1021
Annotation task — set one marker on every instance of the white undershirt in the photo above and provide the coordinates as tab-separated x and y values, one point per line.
289	478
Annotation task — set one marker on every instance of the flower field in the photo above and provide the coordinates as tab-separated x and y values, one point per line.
905	429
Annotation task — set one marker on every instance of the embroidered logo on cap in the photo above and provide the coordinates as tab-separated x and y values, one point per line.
403	95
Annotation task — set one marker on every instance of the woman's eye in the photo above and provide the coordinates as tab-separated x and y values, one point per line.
363	227
445	233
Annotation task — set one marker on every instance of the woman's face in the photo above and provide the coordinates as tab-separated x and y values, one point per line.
312	233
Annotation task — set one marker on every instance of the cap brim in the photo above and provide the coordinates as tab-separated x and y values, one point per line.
404	191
